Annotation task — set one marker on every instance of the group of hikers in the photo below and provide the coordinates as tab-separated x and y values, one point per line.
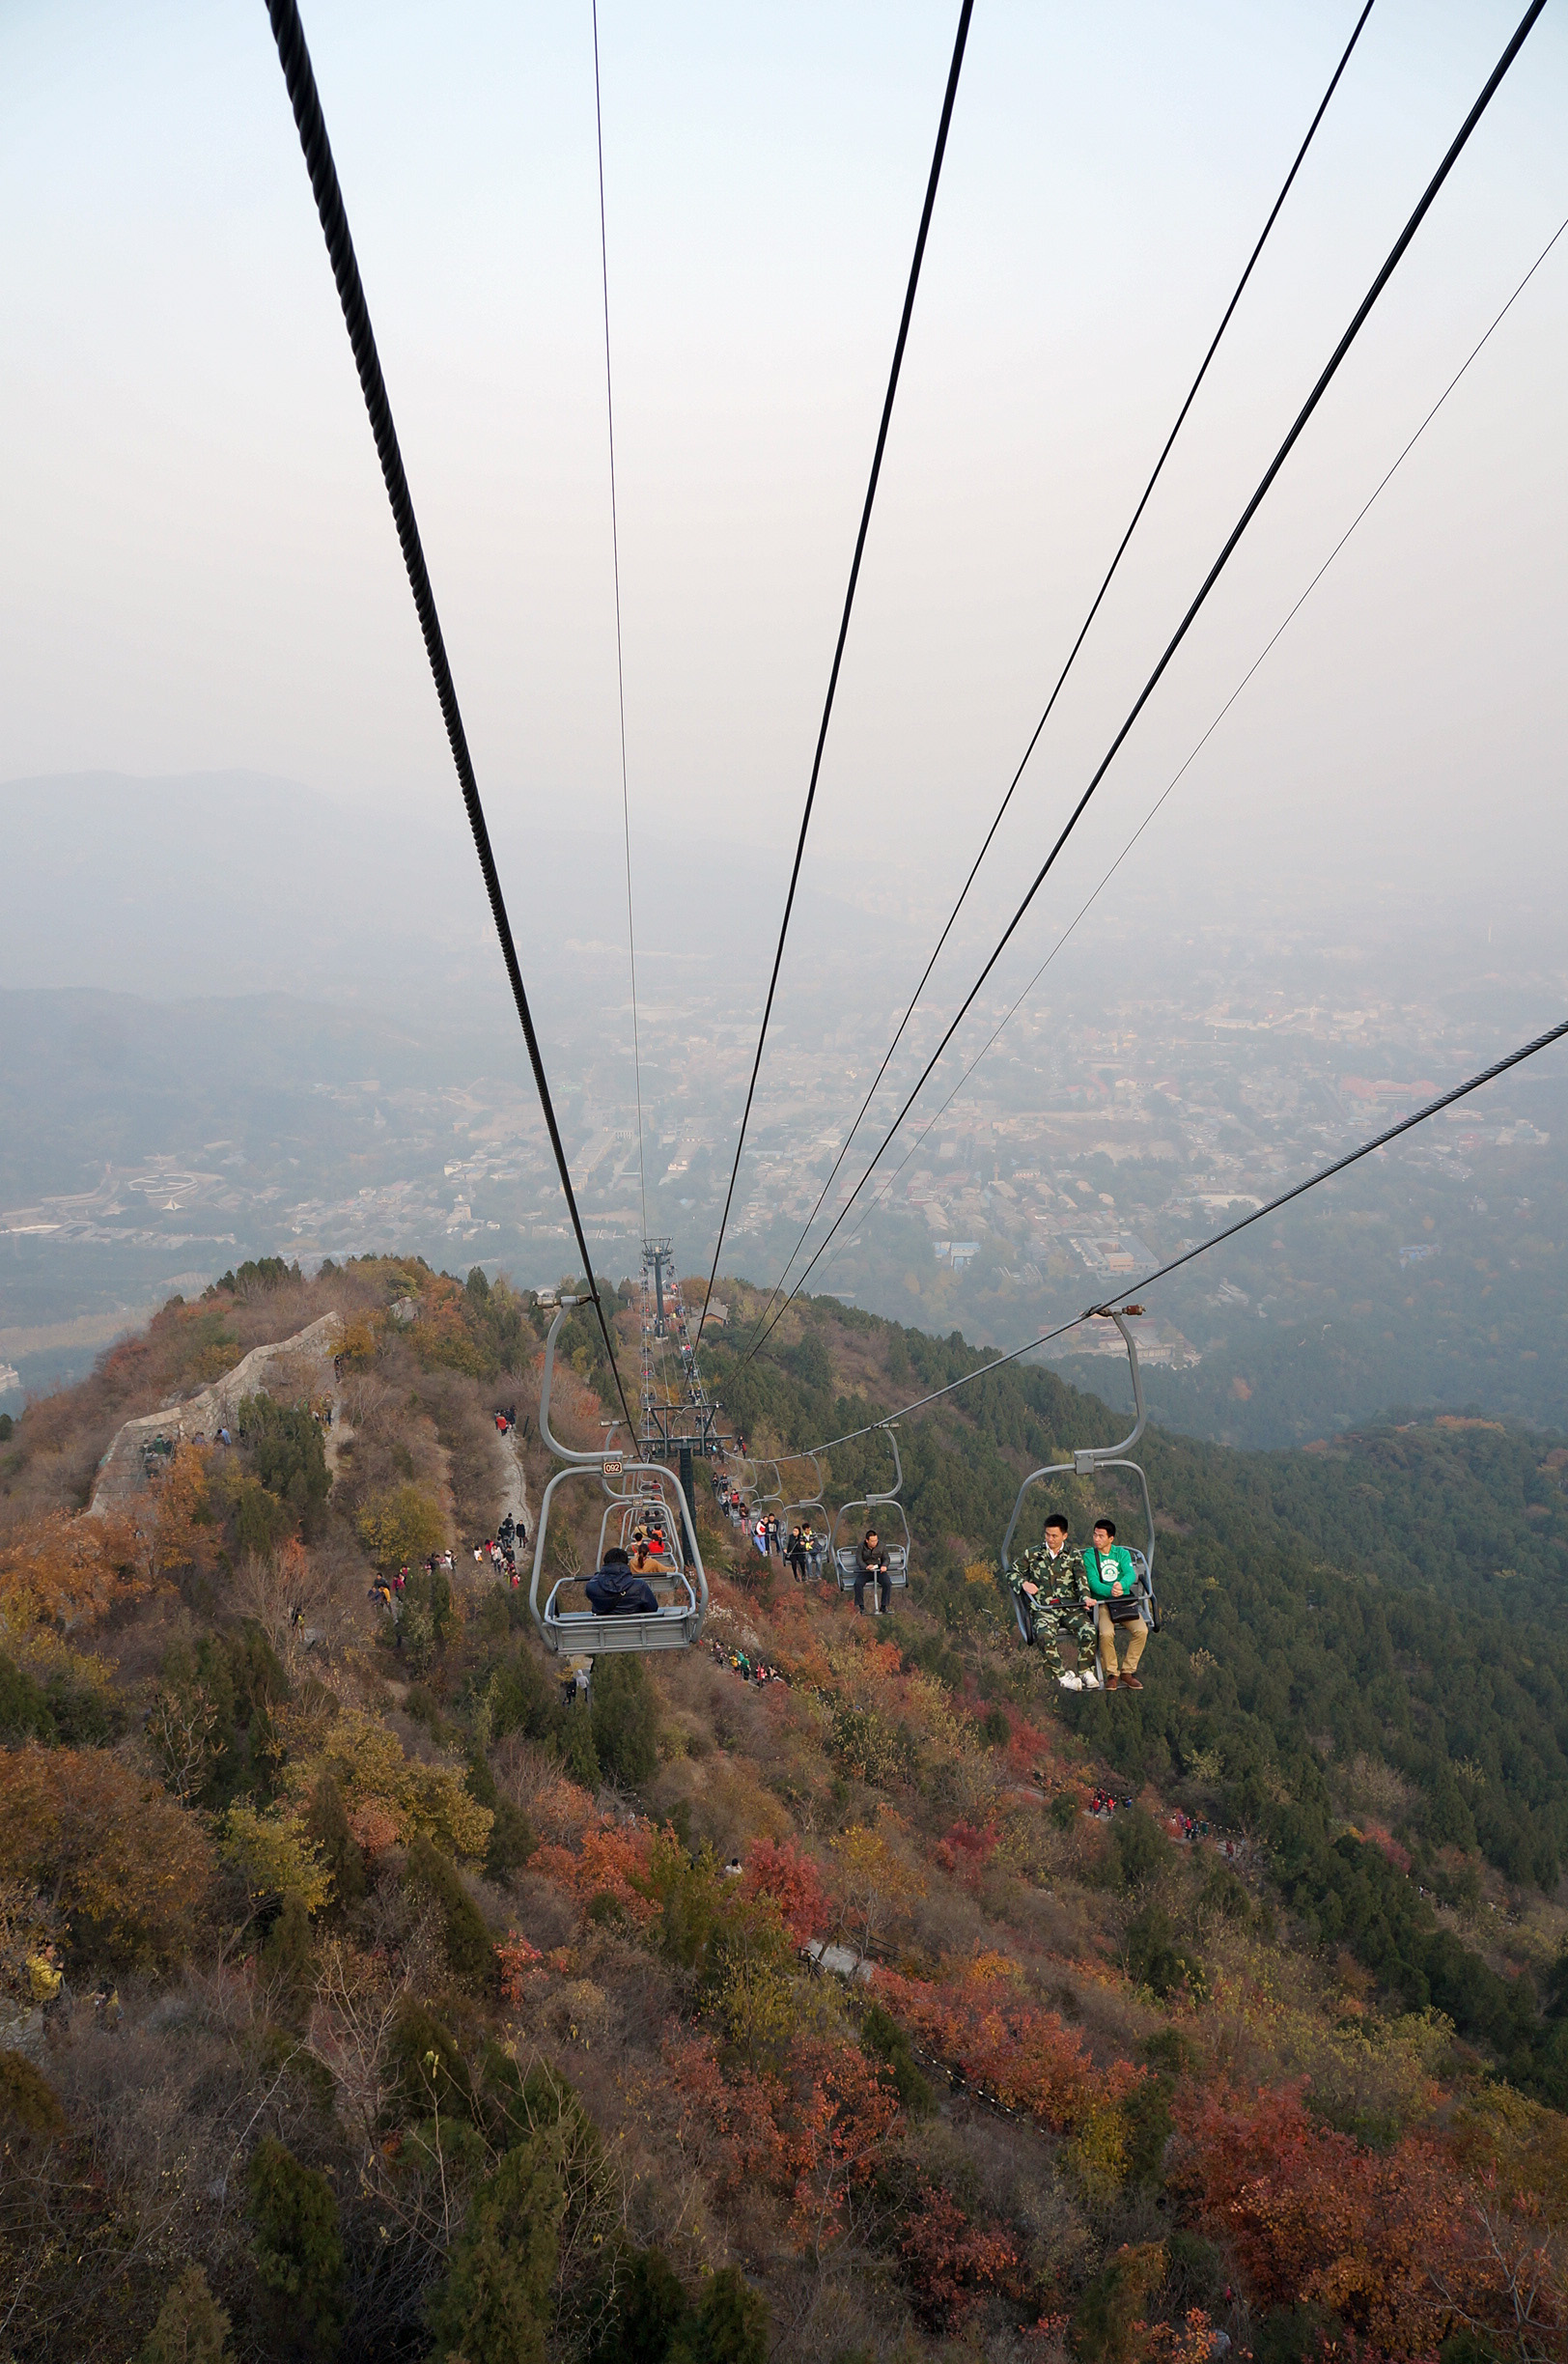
750	1670
387	1589
502	1548
1090	1595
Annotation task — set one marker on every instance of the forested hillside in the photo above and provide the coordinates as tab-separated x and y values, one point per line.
369	1991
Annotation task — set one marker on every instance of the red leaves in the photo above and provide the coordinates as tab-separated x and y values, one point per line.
811	2135
1311	2215
951	2263
612	1857
788	1875
520	1962
1004	2043
966	1851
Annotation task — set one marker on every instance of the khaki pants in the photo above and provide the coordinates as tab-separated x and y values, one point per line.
1132	1638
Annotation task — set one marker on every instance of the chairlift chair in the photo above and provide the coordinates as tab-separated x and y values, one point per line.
636	1490
793	1513
646	1509
845	1558
1087	1461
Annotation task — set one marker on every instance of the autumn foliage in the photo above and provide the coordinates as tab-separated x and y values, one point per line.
107	1847
69	1572
810	2132
1311	2215
952	2263
980	2021
788	1875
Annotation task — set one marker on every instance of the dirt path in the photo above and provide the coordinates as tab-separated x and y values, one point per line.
514	1483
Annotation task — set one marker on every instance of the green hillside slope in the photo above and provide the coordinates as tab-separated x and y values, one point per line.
370	1990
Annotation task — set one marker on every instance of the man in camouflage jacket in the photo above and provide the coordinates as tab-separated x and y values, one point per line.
1051	1583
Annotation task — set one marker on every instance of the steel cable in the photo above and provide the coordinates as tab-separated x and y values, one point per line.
1329	372
965	13
1135	1288
1264	653
295	59
1072	658
620	661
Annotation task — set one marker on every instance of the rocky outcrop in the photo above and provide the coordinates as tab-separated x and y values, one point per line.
291	1369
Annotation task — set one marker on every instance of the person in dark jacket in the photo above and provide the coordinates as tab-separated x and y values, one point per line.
613	1590
872	1562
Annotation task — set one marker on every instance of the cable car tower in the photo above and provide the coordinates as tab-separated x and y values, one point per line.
676	1426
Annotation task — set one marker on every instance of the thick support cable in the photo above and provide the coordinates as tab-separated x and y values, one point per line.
1396	255
295	58
620	659
1072	658
1135	1288
1268	646
965	13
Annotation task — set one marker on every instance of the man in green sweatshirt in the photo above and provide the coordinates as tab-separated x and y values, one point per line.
1112	1579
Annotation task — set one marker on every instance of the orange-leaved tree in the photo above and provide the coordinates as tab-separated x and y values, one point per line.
788	1875
1309	2215
810	2132
980	2020
106	1847
612	1862
69	1572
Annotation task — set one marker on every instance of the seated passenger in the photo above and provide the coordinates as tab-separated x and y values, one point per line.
795	1554
872	1560
1053	1586
613	1590
1114	1582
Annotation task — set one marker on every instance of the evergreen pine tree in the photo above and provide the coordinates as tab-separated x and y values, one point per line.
191	2328
467	1940
493	2305
299	2252
329	1825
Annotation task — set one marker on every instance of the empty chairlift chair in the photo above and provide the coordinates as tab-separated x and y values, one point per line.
638	1492
845	1556
1085	1463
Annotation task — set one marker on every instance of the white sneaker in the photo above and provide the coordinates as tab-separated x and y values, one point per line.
1089	1681
1070	1682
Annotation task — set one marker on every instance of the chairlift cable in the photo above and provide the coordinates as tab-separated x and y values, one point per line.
619	661
295	58
966	10
1329	372
1072	658
1298	1189
1266	651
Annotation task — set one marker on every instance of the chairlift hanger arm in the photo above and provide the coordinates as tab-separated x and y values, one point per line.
563	1452
1097	1454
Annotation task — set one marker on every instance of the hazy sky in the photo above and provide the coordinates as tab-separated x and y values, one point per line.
201	571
